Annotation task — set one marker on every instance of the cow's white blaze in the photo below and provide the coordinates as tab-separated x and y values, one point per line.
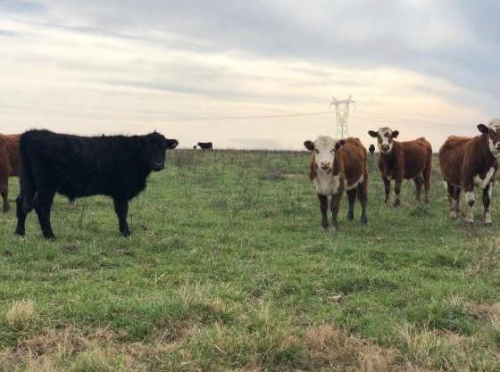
325	184
384	140
324	156
355	184
482	183
494	125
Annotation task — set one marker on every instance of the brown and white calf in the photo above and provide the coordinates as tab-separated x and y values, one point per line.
467	162
403	160
335	166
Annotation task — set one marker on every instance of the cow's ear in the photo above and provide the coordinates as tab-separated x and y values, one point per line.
309	145
170	144
373	133
483	128
339	144
395	134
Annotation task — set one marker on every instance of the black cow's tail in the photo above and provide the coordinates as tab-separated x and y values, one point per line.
26	179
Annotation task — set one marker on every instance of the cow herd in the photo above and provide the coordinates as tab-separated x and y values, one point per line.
465	163
118	166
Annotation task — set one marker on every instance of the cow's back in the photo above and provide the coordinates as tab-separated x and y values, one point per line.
353	155
451	158
417	154
83	166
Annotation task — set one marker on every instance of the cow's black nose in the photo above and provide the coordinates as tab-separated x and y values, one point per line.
158	166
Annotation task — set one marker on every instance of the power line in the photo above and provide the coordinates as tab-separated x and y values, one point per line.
57	113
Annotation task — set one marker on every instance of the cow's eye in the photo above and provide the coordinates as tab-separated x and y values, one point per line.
317	151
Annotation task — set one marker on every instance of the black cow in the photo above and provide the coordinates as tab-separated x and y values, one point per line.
206	146
75	166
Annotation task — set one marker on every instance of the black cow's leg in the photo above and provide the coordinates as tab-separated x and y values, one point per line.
21	217
335	210
363	200
397	192
486	204
121	209
387	187
351	197
43	205
4	190
323	206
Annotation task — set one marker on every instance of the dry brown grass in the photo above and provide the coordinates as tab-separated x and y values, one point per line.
21	313
332	349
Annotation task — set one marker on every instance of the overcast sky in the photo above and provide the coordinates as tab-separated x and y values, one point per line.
249	74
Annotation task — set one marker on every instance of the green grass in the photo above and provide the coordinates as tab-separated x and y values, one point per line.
228	269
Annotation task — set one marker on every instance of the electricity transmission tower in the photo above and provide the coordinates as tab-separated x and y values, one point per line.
342	113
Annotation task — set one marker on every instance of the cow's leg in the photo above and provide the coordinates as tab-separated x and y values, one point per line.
363	200
486	204
4	190
454	199
21	214
323	206
397	192
43	204
387	187
121	209
351	197
470	200
419	181
335	209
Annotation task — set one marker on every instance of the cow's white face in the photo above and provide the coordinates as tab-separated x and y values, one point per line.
493	132
324	150
385	138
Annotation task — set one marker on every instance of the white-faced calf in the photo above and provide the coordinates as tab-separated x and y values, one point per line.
468	162
335	166
403	160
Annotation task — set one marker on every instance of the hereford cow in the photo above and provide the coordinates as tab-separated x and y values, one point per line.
337	165
75	166
403	160
206	146
468	162
9	164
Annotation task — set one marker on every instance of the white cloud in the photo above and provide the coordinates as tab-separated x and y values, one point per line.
130	66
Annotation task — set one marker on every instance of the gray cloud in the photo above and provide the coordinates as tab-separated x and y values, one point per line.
454	40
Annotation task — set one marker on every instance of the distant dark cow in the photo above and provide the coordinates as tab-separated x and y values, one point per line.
468	162
337	165
9	164
75	166
206	145
371	149
403	160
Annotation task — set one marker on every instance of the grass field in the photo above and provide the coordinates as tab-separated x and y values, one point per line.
228	269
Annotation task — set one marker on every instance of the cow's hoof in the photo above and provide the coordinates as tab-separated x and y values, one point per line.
364	221
487	223
397	204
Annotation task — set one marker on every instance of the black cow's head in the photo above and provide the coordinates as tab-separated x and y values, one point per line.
385	137
492	130
155	145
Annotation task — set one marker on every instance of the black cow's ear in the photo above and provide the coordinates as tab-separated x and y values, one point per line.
339	144
395	134
170	144
483	128
373	133
309	145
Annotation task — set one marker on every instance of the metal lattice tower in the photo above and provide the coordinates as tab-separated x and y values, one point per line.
342	113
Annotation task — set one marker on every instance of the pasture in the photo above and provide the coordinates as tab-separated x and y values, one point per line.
228	268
